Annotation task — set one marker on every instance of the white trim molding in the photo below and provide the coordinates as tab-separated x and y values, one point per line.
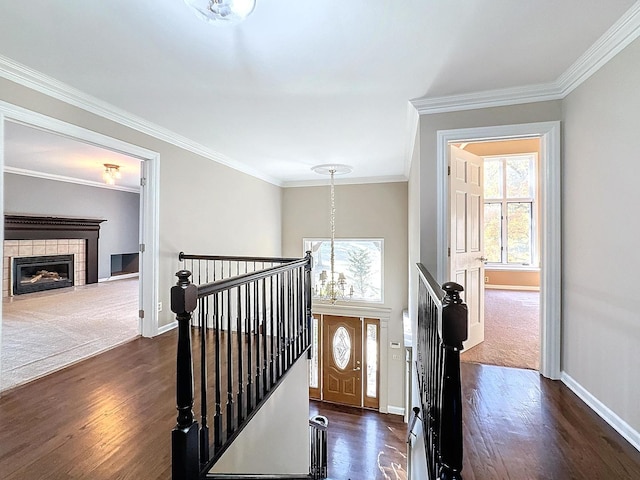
62	178
149	196
526	288
25	76
616	38
608	415
550	223
168	327
395	410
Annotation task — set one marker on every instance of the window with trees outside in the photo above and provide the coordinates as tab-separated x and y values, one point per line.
510	210
357	261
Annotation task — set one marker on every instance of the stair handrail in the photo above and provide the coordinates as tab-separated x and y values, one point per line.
287	328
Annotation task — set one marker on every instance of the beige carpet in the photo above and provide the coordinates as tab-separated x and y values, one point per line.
43	332
511	332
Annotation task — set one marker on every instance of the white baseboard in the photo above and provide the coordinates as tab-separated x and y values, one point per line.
118	277
168	327
395	410
511	287
618	424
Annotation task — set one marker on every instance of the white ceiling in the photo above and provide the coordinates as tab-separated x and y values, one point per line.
35	152
299	83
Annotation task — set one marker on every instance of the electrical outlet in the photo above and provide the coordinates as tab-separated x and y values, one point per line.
395	356
486	279
159	306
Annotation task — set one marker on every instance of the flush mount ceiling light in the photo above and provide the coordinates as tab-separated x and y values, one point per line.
111	172
222	12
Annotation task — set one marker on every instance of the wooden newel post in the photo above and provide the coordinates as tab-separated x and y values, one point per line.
453	331
185	462
307	300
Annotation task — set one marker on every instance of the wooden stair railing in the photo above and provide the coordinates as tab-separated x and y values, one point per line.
254	316
442	327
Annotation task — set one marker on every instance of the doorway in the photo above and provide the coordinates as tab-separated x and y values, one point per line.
549	222
510	240
146	294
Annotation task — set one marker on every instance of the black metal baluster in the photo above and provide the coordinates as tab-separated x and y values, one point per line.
272	332
249	311
217	422
230	409
280	325
265	340
240	379
204	427
258	336
307	299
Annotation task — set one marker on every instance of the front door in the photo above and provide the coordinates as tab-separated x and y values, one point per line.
466	233
342	360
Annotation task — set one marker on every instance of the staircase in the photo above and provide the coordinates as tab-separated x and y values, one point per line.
241	329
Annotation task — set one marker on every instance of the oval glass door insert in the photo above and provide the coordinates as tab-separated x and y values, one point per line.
341	347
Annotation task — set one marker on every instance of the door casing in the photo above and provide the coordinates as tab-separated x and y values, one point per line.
549	223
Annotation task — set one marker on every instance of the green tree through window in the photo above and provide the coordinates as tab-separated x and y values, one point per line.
509	209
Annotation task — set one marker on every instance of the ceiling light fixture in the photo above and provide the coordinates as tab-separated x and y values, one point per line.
111	172
330	288
222	12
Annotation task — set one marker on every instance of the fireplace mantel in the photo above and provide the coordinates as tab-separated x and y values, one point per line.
38	227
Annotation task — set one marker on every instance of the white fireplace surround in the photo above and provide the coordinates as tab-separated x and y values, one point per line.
31	248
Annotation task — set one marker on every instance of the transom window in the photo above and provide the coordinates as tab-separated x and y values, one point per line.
358	268
510	210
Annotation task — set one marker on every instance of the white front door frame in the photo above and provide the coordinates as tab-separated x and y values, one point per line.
149	215
550	223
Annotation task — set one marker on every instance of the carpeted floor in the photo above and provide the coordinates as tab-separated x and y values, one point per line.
511	331
43	332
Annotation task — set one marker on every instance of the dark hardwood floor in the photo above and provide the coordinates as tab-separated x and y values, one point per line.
363	444
519	425
110	417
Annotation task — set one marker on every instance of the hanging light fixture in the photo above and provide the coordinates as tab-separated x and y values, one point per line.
222	12
332	289
111	173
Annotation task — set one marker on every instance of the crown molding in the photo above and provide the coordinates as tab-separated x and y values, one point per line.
345	181
27	77
61	178
617	37
488	98
621	34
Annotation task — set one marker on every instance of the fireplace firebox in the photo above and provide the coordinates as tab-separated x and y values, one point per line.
35	274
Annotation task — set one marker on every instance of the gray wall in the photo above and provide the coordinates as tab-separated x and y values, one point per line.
119	234
429	126
601	216
205	207
362	211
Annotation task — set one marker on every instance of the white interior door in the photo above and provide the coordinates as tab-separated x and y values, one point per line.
466	236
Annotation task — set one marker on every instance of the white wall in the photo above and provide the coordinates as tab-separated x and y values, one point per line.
276	440
601	225
362	211
121	210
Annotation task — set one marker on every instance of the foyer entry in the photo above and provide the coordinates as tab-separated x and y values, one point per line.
344	367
